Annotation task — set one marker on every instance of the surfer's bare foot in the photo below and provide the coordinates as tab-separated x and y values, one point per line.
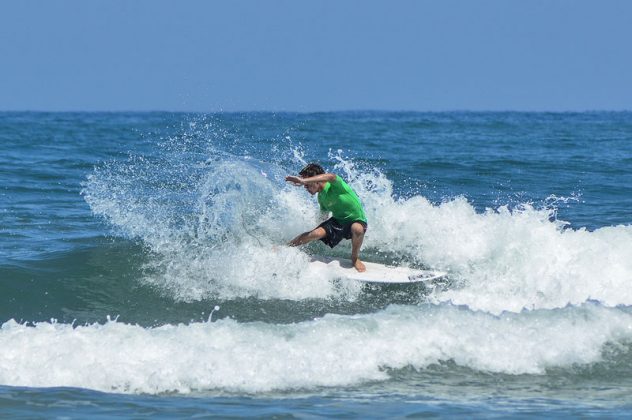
359	265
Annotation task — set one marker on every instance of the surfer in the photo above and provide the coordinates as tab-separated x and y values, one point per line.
347	219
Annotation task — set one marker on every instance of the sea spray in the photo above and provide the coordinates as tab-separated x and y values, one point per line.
223	242
210	316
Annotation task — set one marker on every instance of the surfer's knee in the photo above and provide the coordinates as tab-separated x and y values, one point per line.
357	230
316	234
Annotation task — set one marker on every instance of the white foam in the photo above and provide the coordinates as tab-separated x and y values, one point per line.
507	260
500	259
223	245
231	244
332	351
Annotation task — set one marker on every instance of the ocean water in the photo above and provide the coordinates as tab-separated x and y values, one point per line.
143	272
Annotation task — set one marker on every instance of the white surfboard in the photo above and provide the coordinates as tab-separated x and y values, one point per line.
375	273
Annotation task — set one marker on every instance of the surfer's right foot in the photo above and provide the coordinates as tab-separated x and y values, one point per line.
359	265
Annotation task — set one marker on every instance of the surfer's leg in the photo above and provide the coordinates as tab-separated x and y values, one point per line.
306	237
357	236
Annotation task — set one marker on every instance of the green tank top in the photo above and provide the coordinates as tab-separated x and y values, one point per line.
343	203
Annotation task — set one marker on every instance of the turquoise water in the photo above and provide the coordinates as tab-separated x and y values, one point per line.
120	232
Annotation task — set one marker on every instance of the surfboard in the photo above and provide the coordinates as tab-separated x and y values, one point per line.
375	273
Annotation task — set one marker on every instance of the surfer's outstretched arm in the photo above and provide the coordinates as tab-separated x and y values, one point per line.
298	180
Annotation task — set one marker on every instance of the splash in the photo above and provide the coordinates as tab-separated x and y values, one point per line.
215	224
215	227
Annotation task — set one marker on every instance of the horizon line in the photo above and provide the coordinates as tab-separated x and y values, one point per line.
360	110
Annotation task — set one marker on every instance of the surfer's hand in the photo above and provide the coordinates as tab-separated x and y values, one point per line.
294	180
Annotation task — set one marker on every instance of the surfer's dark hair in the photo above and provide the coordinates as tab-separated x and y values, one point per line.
310	170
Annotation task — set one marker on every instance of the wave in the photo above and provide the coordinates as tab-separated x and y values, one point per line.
334	350
216	222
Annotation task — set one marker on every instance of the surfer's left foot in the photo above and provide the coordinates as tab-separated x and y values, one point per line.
359	265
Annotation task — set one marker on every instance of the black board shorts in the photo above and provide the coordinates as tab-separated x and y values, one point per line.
336	232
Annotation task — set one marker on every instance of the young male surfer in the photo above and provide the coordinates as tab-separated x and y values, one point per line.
348	220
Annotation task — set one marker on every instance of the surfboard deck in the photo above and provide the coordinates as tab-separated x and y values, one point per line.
375	273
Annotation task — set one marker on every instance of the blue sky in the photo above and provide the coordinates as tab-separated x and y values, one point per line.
536	55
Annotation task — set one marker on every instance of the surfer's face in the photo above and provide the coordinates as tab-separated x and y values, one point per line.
313	188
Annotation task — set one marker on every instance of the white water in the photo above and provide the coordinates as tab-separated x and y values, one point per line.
332	351
527	295
228	243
